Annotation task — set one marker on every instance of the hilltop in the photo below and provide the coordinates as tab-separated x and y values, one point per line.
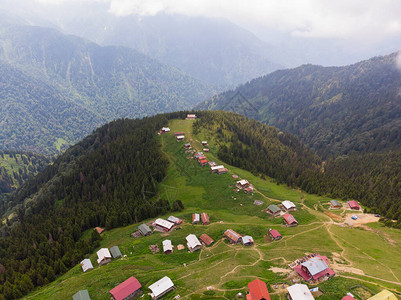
356	251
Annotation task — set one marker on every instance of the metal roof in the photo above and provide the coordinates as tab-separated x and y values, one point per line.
335	203
81	295
247	239
167	245
232	235
115	252
86	264
273	208
144	229
289	219
206	239
384	295
192	241
315	265
161	286
102	254
274	233
164	223
126	288
288	204
258	290
300	292
174	220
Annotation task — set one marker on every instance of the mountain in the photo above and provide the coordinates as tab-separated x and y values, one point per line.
214	50
57	88
125	173
334	110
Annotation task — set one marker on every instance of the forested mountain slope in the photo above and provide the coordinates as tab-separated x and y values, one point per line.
98	182
335	110
58	88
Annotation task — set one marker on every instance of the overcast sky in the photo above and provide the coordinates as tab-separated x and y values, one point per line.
364	20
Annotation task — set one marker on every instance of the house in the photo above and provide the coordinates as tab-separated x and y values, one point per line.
232	236
242	184
249	189
167	247
257	290
104	256
204	143
115	252
99	230
174	220
274	210
178	133
290	220
314	268
206	150
214	169
129	289
205	218
191	117
247	240
207	240
198	154
180	138
86	265
203	162
81	295
161	287
348	297
201	157
299	292
162	225
165	129
195	218
384	295
187	146
275	235
193	243
222	171
353	205
334	204
144	229
288	205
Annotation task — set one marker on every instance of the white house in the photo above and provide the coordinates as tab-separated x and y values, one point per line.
247	240
242	184
299	292
86	265
163	225
193	243
161	287
288	205
104	256
215	168
167	246
165	129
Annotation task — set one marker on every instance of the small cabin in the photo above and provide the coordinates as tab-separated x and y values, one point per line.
274	234
104	256
273	210
193	243
242	184
354	205
222	171
290	220
161	287
167	247
191	117
144	229
180	138
207	240
129	289
334	204
288	205
115	252
247	240
163	225
205	218
232	236
195	218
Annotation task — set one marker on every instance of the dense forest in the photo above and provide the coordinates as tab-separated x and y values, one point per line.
372	178
55	89
98	182
334	110
16	167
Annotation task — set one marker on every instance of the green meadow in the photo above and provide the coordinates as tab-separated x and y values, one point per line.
368	257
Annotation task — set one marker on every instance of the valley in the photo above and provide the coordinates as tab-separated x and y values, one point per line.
365	258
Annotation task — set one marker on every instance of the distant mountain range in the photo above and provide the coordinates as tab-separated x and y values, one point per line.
55	89
335	110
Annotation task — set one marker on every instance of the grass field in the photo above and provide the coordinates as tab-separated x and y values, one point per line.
368	256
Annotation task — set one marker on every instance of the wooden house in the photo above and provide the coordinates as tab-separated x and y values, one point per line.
215	169
187	146
81	295
288	205
354	205
242	184
193	243
178	133
247	240
144	229
205	218
195	218
314	268
274	234
86	265
203	162
127	290
290	220
161	287
180	138
232	236
248	190
204	143
167	247
334	204
257	290
163	225
191	117
299	292
174	220
115	252
273	210
207	240
104	256
222	171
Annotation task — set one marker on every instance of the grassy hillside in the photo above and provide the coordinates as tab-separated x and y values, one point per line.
334	110
56	89
17	167
366	256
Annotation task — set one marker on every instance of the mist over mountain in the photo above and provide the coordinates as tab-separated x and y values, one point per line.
57	88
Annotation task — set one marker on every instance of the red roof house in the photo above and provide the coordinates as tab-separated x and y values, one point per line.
354	205
99	230
348	297
232	236
314	268
203	162
207	240
275	234
202	157
204	218
249	189
178	133
129	289
290	220
257	290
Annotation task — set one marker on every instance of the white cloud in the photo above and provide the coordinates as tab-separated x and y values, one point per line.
356	19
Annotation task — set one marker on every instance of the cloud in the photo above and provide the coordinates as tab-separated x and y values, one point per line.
357	19
398	60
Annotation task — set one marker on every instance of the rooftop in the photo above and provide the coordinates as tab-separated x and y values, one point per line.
125	288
